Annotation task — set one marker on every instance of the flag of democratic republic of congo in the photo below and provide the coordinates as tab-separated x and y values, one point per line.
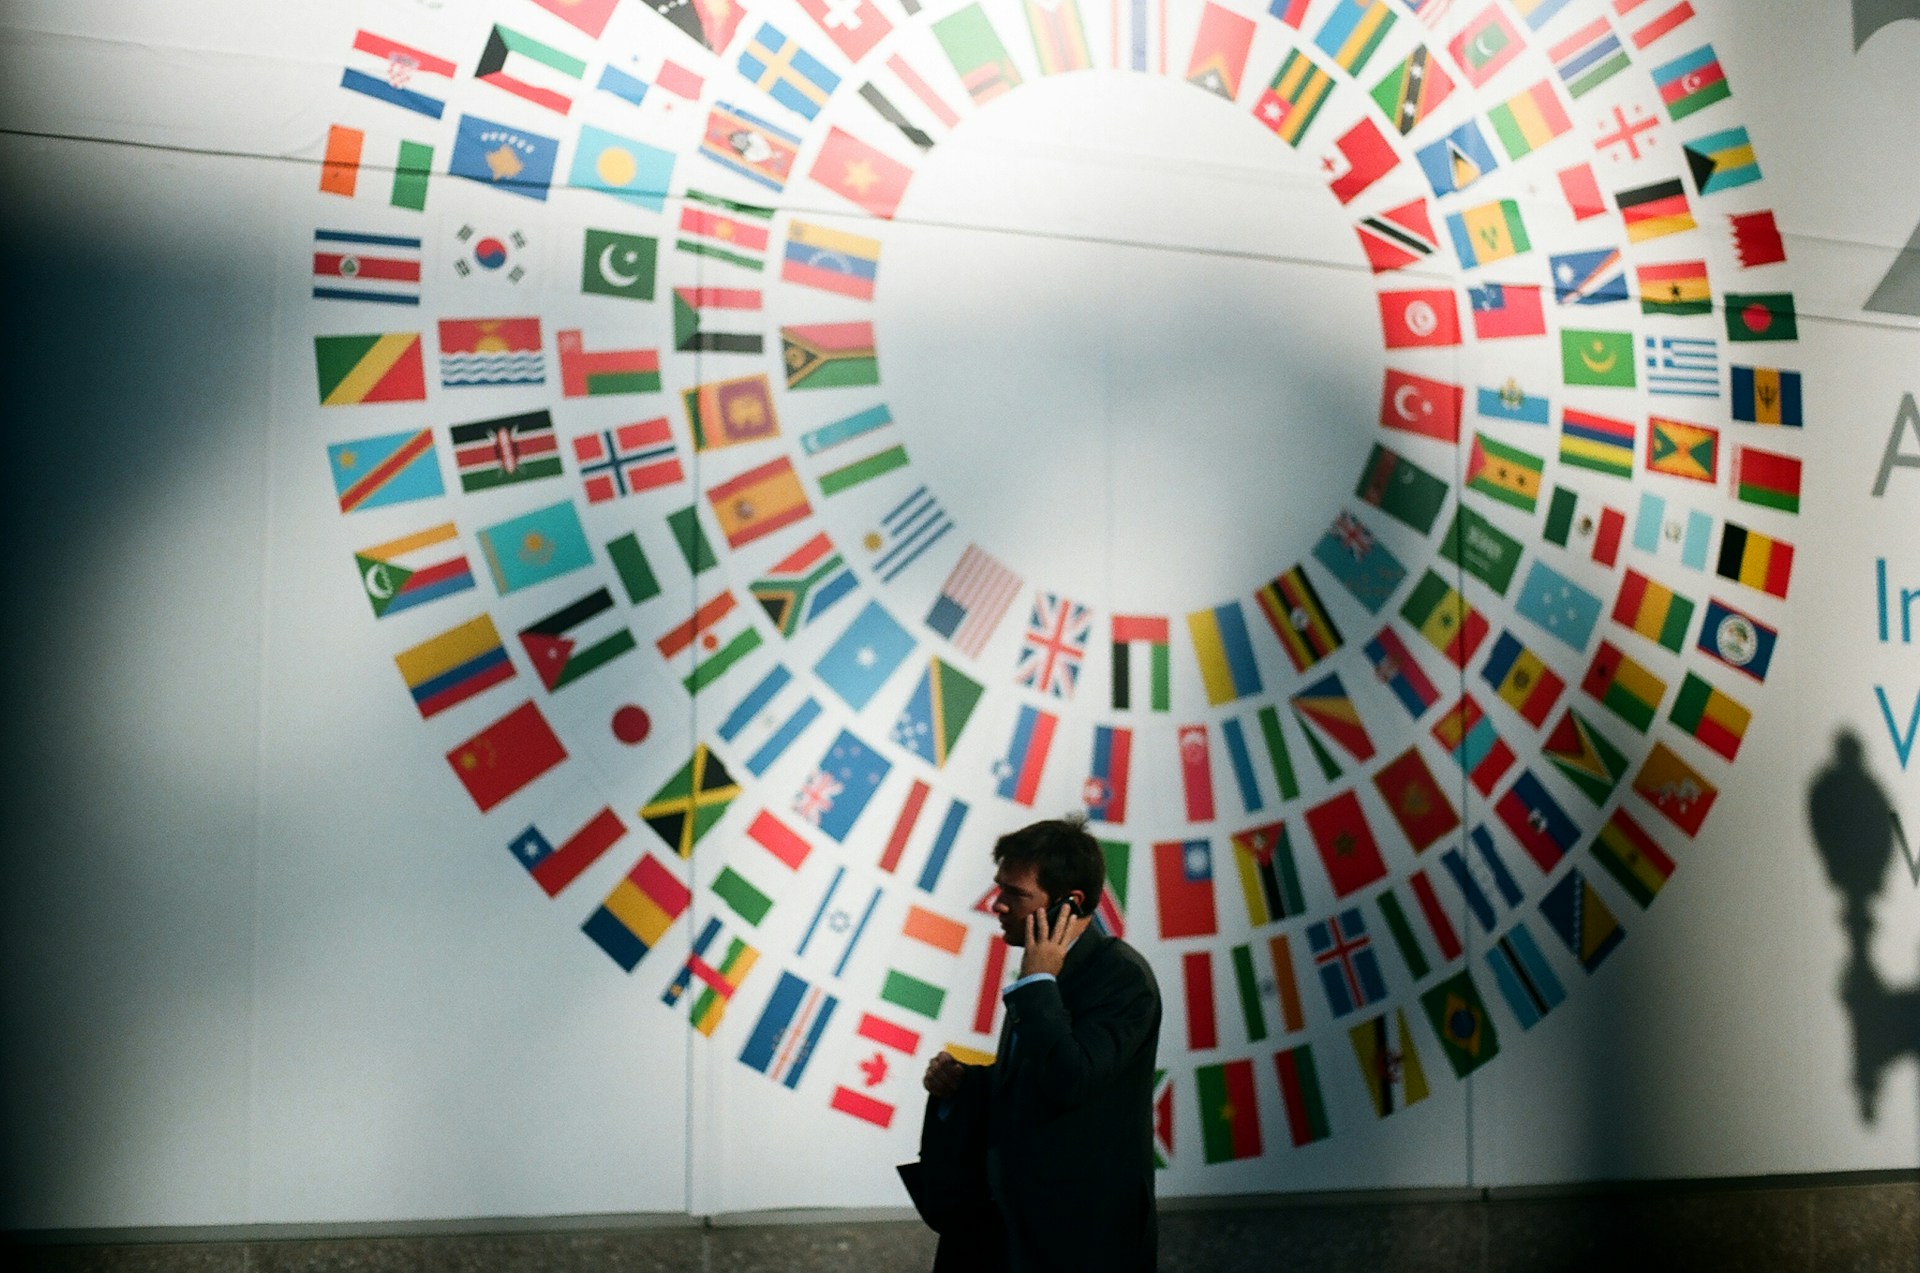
392	468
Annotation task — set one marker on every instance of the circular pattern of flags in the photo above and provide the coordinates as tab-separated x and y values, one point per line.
596	283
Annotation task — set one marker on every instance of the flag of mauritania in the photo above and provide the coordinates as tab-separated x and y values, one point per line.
382	367
1596	357
1229	1115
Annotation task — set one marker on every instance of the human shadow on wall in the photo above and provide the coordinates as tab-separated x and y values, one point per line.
1855	828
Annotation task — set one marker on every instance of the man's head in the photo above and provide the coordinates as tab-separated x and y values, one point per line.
1044	864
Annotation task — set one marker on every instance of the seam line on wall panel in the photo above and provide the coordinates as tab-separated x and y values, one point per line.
1851	318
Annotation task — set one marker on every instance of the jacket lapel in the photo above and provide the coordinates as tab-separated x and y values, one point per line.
1082	953
1077	960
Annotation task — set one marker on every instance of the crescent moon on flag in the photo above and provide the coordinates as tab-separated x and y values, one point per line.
1601	367
379	585
612	276
1480	49
1401	398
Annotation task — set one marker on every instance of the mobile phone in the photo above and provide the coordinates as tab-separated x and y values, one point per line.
1060	910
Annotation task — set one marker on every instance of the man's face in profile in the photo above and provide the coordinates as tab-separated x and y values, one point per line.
1019	896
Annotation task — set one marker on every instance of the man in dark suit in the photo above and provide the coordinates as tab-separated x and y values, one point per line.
1045	1158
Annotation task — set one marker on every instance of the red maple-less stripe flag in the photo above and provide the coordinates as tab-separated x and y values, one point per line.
1183	881
1444	934
1196	972
1361	157
506	755
859	173
903	826
773	835
1416	404
888	1034
862	1106
1421	317
1659	25
1582	192
1347	847
1196	772
991	978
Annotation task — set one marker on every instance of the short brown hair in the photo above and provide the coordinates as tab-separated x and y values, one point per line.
1063	855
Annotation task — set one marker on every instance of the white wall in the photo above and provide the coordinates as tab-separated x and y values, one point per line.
267	963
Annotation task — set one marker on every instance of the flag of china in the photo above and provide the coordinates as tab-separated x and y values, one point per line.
506	755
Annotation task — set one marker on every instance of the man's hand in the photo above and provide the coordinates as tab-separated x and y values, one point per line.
1047	942
944	1075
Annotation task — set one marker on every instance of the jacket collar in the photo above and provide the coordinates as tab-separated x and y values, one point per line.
1082	951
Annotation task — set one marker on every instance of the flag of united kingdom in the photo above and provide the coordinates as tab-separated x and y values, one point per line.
1055	644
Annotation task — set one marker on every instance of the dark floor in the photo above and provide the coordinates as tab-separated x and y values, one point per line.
1753	1228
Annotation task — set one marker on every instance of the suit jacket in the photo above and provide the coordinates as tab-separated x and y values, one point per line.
1058	1134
